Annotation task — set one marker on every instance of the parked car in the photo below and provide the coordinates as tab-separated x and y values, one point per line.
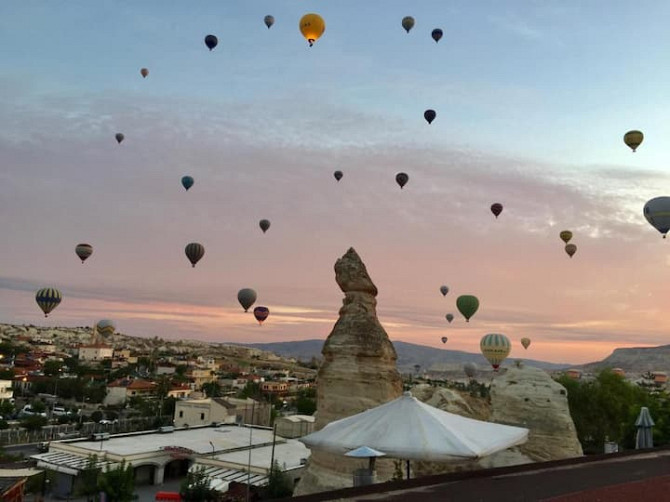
105	421
59	411
28	411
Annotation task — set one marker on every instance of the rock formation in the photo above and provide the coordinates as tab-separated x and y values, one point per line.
358	373
522	396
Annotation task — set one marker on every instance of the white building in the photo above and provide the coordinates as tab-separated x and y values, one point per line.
95	352
6	390
157	457
190	412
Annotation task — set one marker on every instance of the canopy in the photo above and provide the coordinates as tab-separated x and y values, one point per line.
409	429
644	437
365	452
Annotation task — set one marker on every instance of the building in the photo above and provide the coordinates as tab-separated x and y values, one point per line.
157	457
206	411
294	426
12	489
574	374
95	352
6	390
660	378
123	389
201	376
181	391
277	388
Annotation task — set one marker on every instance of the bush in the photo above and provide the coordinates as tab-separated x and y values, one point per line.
34	423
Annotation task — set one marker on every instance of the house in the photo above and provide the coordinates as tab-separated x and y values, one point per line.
193	412
294	426
6	390
201	376
180	391
278	388
125	388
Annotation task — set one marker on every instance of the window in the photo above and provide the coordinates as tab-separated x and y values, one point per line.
181	414
202	416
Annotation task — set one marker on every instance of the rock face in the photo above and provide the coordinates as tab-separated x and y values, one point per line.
358	373
521	396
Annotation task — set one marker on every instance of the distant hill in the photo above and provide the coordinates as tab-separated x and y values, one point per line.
635	360
409	354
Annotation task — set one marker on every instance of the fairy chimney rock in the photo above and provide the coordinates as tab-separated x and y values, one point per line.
358	373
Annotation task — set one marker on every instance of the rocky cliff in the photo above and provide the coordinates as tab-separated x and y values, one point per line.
358	372
522	396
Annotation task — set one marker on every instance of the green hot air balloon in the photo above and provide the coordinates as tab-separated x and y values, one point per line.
467	305
407	23
48	299
246	297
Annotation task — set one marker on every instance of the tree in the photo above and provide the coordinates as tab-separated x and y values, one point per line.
195	488
212	389
52	367
252	390
96	416
88	485
279	484
34	422
118	483
6	408
38	406
305	403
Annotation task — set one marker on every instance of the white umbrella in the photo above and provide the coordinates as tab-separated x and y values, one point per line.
409	429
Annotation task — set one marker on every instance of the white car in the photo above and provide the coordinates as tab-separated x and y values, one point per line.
104	421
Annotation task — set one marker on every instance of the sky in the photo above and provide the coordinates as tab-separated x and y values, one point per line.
532	98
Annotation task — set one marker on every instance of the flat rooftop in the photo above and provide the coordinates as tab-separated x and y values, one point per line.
196	439
288	455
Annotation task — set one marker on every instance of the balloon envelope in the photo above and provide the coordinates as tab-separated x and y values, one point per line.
194	252
144	72
119	137
83	251
264	224
525	342
48	299
450	317
444	339
429	115
211	41
566	235
467	305
436	34
401	179
338	175
312	27
187	182
444	290
571	249
657	213
495	348
269	21
408	23
470	369
496	209
105	327
261	314
633	139
246	297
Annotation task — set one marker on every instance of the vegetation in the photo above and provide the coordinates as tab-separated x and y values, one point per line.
305	402
606	408
279	484
195	488
118	483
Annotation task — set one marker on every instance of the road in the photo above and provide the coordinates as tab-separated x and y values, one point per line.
22	449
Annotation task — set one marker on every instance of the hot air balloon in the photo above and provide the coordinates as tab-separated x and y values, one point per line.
496	209
444	290
571	249
496	348
187	182
264	224
48	299
408	23
633	139
429	115
312	27
105	327
119	137
401	179
83	251
338	175
194	252
470	369
444	339
657	213
246	297
467	305
261	314
566	235
525	342
144	72
436	34
269	21
211	41
450	317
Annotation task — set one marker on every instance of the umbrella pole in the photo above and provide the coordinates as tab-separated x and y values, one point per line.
408	469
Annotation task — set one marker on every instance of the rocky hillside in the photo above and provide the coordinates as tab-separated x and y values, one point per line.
409	354
635	360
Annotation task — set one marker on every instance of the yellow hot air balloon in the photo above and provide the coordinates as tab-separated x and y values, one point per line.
312	27
566	235
525	342
633	139
495	348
